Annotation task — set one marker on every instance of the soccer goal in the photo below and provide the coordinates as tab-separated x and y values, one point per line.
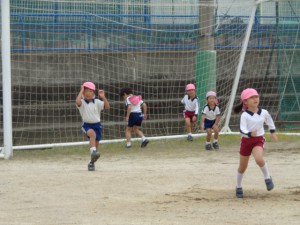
156	47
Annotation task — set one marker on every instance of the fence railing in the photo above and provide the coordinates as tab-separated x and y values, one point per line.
68	32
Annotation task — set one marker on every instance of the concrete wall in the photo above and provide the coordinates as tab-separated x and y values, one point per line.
45	87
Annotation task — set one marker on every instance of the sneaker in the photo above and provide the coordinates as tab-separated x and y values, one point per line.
189	138
127	146
95	156
208	146
269	184
216	146
144	143
91	166
239	192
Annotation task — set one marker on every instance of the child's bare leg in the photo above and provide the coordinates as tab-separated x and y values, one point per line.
257	153
141	135
93	148
208	134
92	137
188	125
241	170
128	133
128	136
216	133
192	127
138	132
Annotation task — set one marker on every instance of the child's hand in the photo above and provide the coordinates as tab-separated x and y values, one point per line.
253	133
101	93
274	137
202	127
145	117
215	127
81	88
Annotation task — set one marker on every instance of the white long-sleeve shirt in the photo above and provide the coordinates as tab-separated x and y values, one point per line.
255	122
191	105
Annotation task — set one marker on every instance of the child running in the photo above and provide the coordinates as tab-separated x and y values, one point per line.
90	109
252	128
191	109
136	112
210	119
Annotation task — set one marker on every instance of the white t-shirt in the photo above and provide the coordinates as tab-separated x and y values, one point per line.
191	105
91	111
255	122
211	114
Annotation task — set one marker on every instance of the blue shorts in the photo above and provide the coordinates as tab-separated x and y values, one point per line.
97	127
135	119
208	123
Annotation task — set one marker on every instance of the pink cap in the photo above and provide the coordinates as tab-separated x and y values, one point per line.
248	93
211	93
89	85
190	87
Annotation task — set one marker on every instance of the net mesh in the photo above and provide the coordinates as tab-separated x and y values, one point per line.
155	47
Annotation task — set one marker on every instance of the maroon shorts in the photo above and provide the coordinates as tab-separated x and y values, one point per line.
247	144
188	114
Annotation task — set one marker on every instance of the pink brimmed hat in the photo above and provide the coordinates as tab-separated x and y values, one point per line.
190	87
248	93
211	93
89	85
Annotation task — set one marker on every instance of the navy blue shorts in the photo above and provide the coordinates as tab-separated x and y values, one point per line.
135	119
97	127
208	123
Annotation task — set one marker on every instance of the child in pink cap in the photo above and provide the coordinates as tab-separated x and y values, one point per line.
136	112
90	109
252	141
191	109
211	115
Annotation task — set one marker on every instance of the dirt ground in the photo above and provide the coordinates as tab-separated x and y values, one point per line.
162	184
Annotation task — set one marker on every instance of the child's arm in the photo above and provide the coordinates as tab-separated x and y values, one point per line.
274	136
202	121
145	108
101	94
79	96
218	117
128	112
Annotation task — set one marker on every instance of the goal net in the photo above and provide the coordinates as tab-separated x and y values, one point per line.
156	47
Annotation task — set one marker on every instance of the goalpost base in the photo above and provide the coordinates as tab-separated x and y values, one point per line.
226	129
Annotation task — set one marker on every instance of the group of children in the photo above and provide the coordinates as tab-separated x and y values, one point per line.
252	123
90	110
210	115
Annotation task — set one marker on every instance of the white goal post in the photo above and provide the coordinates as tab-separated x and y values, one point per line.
50	47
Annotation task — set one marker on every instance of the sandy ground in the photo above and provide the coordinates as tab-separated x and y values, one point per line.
178	186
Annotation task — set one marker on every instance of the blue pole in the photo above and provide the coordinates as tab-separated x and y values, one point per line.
23	34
